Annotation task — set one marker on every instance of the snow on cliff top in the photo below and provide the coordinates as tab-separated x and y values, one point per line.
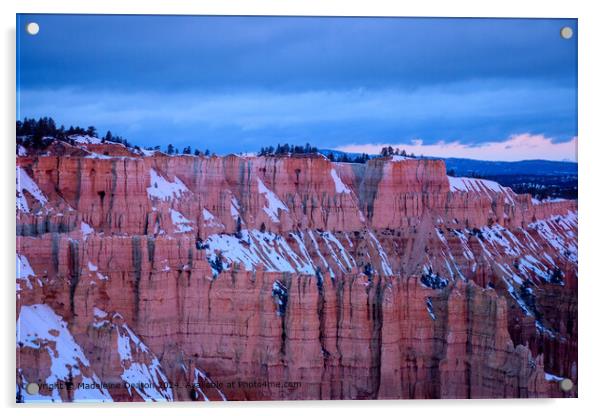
147	152
480	185
473	185
86	139
397	158
536	201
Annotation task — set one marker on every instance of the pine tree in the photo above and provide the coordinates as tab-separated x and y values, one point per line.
91	131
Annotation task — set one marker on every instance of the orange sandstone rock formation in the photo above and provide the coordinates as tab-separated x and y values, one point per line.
155	277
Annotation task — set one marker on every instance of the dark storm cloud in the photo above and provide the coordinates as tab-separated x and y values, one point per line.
333	81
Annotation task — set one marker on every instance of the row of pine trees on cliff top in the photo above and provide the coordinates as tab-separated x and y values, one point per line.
36	133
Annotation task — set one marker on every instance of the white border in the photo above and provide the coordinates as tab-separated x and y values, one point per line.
590	154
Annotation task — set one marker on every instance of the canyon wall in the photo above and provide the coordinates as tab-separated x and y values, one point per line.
155	277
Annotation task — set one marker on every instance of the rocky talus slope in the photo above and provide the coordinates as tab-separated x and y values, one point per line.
142	276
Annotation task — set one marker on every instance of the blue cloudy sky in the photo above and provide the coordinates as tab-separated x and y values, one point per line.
501	89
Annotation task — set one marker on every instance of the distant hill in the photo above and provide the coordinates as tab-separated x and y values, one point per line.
472	167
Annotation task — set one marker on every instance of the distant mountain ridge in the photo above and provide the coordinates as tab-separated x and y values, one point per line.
523	167
470	167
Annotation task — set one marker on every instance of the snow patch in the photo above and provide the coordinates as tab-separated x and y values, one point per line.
94	269
317	249
85	139
147	379
234	208
163	189
273	202
24	272
39	327
255	248
86	229
25	183
24	269
553	377
478	185
430	309
201	379
398	158
99	313
558	232
147	152
496	236
210	220
384	260
341	188
181	223
349	261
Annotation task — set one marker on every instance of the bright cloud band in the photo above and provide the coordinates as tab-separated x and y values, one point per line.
516	147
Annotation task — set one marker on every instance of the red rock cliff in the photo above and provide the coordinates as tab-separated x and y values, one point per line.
194	278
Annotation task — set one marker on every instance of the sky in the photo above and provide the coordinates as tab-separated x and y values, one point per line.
492	89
